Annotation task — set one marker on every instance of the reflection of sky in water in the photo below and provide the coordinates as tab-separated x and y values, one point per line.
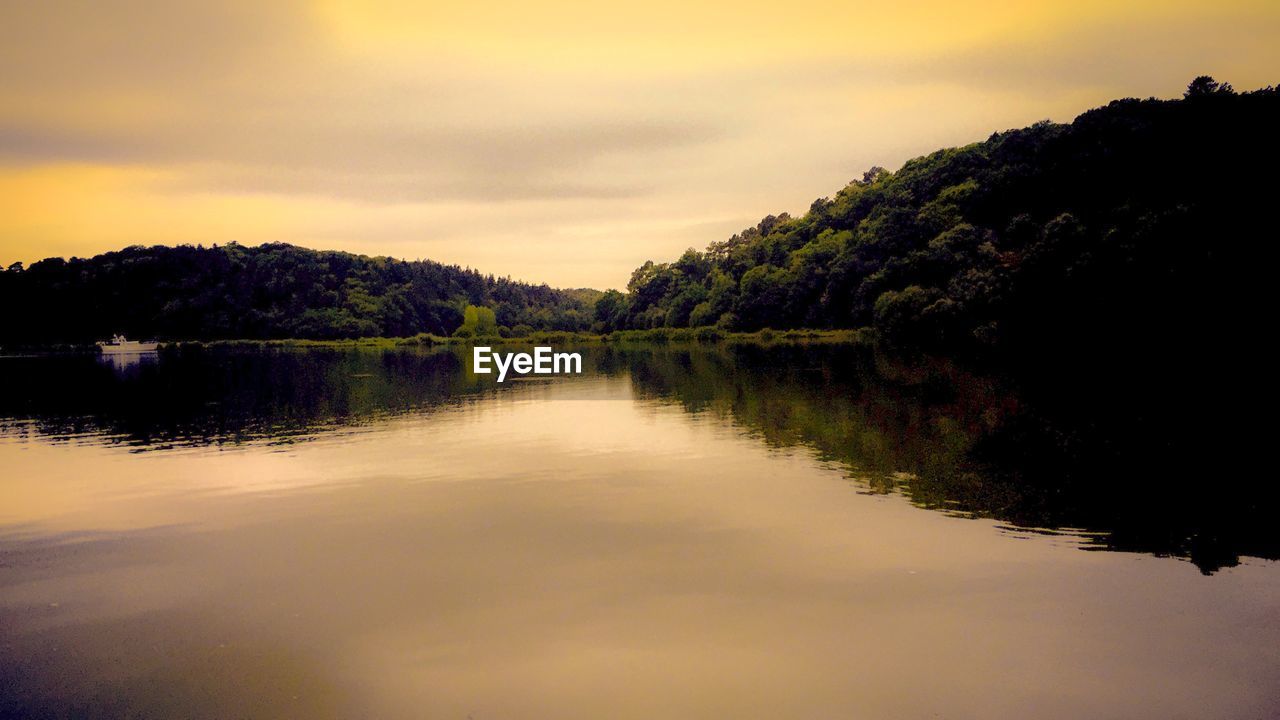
573	550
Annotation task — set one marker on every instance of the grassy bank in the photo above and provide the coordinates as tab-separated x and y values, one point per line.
653	336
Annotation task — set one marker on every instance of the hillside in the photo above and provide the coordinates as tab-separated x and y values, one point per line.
1141	224
268	291
1144	221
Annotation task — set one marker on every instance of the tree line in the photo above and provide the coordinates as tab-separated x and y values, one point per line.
1143	220
269	291
1140	224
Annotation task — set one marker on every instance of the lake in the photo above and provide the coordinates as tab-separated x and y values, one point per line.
776	531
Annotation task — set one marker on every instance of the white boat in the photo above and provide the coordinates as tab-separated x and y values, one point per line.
119	345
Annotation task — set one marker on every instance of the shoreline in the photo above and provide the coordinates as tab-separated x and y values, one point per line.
655	336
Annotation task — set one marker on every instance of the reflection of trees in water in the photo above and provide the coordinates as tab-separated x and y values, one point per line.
1107	454
198	397
1097	453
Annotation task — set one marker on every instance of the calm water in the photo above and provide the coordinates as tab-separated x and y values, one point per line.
731	533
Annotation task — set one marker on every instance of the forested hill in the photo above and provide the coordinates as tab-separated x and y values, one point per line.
268	291
1145	222
1143	219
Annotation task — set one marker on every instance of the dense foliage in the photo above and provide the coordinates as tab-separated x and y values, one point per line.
1139	221
1139	224
269	291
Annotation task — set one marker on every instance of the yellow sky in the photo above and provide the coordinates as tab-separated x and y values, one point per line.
564	142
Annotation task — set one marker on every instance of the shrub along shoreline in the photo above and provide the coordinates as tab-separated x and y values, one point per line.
655	336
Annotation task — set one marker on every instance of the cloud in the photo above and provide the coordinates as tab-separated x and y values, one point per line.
1142	56
372	161
88	48
214	95
565	142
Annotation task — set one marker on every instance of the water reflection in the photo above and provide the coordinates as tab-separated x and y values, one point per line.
123	363
376	534
949	440
1121	459
201	398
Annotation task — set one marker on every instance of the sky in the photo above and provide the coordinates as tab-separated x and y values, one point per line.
564	141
